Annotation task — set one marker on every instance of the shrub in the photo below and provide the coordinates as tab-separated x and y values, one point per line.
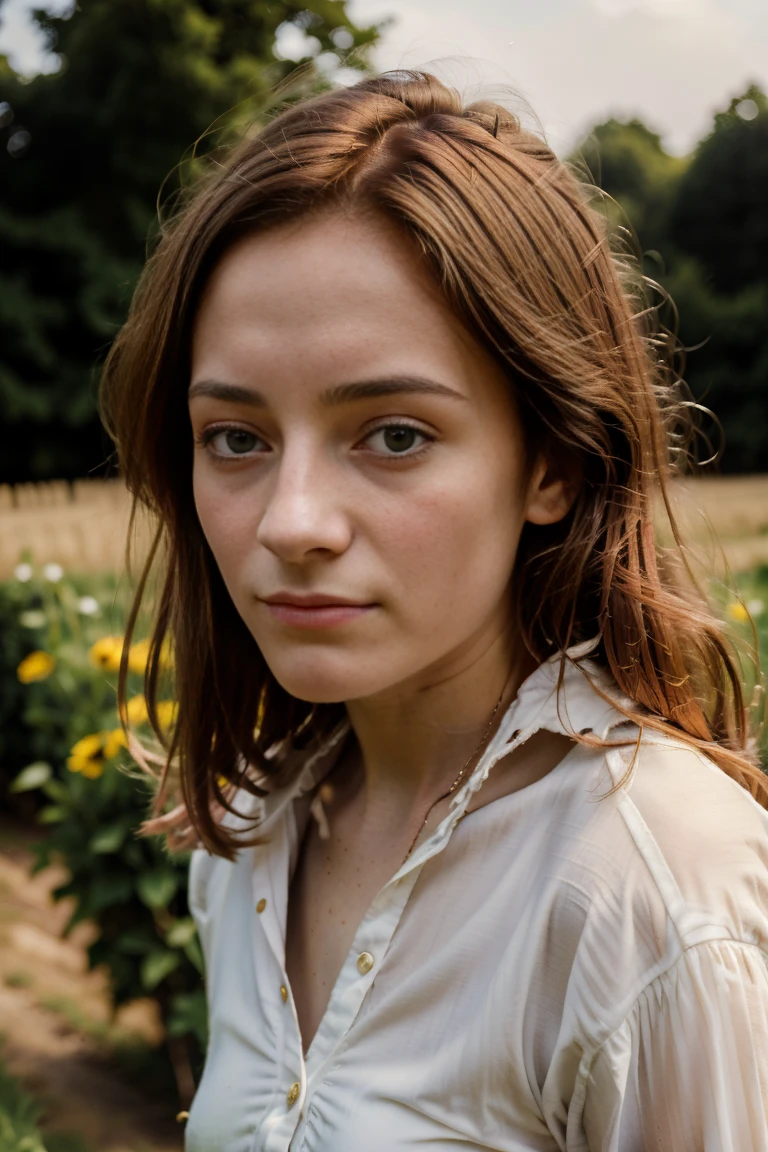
94	800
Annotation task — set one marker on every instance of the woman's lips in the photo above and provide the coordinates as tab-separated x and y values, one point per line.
316	615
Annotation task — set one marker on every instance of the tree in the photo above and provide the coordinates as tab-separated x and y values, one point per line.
704	218
86	151
628	161
720	213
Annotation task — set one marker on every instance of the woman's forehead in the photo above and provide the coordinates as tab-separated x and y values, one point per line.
321	266
331	300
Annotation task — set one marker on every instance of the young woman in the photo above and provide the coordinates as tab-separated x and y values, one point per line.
483	853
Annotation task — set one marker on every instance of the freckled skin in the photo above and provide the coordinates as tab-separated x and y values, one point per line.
322	502
305	307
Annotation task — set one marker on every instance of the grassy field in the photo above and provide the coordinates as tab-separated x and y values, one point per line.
83	526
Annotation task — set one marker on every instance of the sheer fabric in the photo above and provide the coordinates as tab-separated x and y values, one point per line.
550	971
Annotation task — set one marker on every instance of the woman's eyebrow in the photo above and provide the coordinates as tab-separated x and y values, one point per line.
339	394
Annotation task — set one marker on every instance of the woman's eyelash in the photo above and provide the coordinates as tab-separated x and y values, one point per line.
205	439
399	425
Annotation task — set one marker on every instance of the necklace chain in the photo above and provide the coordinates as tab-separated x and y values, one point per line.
460	776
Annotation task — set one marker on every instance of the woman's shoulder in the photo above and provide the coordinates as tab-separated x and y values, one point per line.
703	839
675	857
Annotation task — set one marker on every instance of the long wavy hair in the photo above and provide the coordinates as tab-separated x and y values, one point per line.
525	260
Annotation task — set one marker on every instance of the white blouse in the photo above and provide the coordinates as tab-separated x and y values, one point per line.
554	971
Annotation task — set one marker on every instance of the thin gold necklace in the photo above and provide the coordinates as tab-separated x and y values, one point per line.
457	781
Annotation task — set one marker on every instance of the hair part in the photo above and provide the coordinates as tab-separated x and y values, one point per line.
526	263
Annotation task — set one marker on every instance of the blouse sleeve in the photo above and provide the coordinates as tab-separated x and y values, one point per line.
687	1071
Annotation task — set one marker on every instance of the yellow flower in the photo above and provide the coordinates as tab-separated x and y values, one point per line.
37	666
105	653
136	710
167	712
87	756
92	769
738	612
114	741
138	654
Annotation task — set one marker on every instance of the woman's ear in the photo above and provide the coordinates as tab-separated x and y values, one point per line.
551	491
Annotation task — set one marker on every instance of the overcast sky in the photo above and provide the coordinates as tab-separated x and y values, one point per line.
672	62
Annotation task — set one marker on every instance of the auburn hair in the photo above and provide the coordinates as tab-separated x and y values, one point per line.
526	262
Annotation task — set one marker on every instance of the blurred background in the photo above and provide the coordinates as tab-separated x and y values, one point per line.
106	108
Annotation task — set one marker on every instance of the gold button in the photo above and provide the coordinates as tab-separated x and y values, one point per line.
365	962
293	1094
284	993
182	1117
261	905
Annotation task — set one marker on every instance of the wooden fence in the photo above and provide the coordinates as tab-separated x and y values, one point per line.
83	526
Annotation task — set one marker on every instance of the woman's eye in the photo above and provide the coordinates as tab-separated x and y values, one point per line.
398	439
231	442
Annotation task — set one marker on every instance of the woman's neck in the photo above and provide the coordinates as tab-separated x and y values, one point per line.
411	742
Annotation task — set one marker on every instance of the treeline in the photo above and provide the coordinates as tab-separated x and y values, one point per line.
700	225
88	153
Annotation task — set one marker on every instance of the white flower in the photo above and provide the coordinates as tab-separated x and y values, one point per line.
33	618
23	572
53	573
88	605
755	607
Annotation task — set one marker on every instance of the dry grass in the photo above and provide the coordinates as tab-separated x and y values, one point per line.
726	520
83	526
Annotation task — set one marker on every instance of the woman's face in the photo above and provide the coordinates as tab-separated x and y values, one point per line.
353	441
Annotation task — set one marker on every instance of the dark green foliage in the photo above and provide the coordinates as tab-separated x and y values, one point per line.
83	156
720	214
629	162
702	223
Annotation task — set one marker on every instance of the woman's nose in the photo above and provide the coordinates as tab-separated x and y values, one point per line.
303	513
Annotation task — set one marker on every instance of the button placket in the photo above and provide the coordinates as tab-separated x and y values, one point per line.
280	1124
363	961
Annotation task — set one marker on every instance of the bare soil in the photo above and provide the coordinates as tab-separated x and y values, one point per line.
57	1022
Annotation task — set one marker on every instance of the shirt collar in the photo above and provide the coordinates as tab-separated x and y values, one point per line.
567	694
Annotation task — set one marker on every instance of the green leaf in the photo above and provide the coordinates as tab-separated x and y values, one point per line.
33	776
109	839
194	954
108	890
55	790
180	933
136	942
156	966
53	814
157	887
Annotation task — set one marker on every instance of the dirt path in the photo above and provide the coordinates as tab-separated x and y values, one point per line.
53	1012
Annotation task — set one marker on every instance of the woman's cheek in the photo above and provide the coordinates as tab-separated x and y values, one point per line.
229	525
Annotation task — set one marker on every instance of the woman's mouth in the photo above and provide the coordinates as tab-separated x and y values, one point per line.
314	611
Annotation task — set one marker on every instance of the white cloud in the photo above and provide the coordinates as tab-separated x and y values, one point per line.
669	8
671	62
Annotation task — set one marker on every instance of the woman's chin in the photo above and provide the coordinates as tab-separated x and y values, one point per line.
318	685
